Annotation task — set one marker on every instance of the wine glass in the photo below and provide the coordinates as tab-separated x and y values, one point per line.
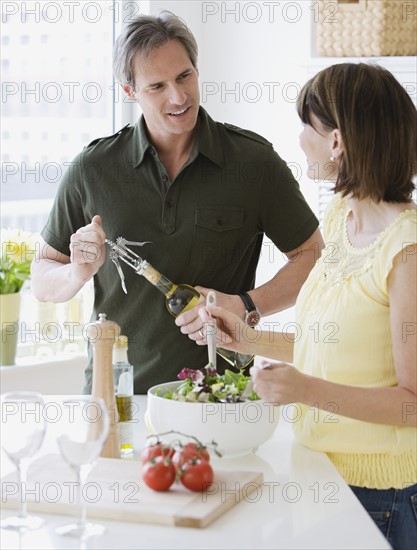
23	428
86	430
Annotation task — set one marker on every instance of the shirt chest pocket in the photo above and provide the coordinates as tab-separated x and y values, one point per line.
217	237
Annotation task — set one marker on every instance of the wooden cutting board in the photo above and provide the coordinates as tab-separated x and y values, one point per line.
115	491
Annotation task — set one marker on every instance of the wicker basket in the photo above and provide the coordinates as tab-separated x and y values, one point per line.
366	27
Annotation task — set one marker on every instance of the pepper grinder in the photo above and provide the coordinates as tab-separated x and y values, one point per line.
102	335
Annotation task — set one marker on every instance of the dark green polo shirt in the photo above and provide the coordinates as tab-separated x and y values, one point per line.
206	228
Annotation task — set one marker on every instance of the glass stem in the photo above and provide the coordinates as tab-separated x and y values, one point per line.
22	469
82	474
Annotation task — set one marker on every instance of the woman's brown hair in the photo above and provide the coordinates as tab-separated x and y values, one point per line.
378	124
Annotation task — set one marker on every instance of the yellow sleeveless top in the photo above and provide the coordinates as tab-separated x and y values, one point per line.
344	318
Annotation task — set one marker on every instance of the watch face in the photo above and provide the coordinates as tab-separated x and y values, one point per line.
252	318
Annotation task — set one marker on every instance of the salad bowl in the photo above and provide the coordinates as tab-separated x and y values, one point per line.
238	428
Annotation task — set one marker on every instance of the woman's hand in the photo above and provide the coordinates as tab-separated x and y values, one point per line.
280	383
232	333
190	321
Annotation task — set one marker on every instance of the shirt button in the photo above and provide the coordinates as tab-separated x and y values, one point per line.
164	178
152	151
169	203
220	220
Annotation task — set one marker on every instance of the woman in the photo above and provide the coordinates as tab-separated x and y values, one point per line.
354	364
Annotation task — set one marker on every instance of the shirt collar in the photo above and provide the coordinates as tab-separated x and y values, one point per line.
140	142
208	139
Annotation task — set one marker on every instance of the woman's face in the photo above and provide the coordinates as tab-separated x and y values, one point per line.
316	142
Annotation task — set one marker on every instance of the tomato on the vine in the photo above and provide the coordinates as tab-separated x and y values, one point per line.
159	473
158	449
189	452
196	475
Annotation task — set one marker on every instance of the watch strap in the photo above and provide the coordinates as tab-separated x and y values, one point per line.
247	300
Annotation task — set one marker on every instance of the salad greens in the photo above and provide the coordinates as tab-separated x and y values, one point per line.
208	385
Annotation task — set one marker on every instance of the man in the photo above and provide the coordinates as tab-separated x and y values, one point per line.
201	192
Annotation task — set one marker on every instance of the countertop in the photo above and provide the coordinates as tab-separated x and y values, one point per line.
303	504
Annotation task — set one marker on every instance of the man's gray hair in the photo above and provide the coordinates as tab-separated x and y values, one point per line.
144	34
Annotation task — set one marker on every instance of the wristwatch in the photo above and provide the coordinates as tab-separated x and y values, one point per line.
252	315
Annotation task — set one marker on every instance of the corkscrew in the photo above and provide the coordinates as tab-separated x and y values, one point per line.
119	251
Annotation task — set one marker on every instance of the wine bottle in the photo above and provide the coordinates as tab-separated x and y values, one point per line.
178	297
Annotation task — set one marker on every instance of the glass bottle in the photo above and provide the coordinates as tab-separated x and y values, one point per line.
178	297
123	389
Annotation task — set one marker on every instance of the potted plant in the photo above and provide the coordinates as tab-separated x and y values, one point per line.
17	253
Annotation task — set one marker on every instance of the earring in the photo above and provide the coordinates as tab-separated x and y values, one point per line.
332	159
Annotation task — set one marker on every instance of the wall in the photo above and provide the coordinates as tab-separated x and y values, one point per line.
253	60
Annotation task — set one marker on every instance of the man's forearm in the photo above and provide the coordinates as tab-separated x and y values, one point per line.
53	281
281	291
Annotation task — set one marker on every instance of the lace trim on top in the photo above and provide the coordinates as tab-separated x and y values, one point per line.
380	235
341	260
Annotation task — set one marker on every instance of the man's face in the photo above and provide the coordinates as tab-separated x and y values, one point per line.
166	87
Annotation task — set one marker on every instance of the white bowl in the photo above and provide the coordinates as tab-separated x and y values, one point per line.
238	428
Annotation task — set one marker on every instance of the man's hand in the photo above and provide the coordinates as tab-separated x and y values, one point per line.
190	321
88	249
57	277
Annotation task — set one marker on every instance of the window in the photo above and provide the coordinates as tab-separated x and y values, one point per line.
57	95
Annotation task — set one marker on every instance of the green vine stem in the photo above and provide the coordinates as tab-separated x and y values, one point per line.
200	445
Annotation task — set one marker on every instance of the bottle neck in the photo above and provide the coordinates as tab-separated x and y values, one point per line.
120	355
159	281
